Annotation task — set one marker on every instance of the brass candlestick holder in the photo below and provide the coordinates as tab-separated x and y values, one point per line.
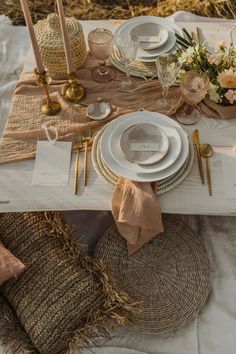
50	108
74	92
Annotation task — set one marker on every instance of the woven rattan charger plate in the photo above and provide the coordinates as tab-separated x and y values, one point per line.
170	276
110	178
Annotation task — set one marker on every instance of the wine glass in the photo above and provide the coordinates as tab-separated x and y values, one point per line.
168	67
127	50
100	45
193	87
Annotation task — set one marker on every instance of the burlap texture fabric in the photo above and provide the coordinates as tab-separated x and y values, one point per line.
170	276
64	299
24	126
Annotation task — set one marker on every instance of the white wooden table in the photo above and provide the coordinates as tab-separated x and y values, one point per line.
190	197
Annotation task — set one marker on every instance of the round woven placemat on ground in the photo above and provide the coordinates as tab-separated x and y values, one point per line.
170	276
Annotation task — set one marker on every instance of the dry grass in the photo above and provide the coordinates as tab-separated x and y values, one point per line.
104	9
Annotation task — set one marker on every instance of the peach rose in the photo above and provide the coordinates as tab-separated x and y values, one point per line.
222	45
215	58
227	79
231	96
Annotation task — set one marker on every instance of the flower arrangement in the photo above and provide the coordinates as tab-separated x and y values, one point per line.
220	66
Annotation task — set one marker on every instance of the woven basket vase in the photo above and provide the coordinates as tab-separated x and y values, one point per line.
49	37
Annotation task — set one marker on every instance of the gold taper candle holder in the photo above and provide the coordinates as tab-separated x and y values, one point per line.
50	108
74	92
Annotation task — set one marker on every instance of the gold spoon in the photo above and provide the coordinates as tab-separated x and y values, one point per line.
86	140
206	151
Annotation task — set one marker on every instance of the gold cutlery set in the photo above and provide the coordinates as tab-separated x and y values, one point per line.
82	144
203	151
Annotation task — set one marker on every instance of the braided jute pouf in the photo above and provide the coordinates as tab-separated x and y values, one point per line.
170	276
64	299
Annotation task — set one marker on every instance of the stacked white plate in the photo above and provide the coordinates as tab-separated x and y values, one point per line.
110	161
156	35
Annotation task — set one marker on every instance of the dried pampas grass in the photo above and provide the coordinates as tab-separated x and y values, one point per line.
118	9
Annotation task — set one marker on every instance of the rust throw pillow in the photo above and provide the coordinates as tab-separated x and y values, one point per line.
10	266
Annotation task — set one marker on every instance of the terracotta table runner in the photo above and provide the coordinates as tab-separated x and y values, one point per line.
24	125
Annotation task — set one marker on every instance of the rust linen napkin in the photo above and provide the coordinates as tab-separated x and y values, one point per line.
136	211
214	110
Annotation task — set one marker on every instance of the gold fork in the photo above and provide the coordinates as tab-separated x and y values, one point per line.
77	147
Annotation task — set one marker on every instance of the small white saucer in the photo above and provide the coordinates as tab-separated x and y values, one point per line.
98	110
144	144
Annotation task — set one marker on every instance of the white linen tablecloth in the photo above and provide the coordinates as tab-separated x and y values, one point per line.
213	331
190	197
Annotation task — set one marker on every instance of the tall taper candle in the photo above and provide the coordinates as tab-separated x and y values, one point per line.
34	42
69	61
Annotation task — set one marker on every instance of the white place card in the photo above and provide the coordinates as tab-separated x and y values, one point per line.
52	164
228	161
150	39
144	147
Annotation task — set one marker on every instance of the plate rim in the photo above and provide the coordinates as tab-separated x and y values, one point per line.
164	189
142	177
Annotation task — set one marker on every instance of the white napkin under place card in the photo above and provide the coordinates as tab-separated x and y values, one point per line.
52	163
228	161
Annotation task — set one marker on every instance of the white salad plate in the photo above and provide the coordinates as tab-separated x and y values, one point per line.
144	55
98	110
136	172
151	35
144	143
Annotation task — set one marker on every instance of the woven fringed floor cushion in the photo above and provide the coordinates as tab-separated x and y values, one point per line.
64	299
170	276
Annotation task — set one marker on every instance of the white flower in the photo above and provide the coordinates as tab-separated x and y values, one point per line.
213	94
190	51
186	55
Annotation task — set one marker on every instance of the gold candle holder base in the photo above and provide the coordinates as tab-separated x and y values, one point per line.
74	92
50	108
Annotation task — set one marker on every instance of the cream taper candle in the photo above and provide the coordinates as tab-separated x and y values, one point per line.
29	23
69	61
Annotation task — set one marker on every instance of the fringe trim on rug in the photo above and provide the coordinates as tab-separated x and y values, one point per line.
117	309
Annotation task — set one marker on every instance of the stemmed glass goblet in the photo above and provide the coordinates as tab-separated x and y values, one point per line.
100	45
193	87
127	50
168	68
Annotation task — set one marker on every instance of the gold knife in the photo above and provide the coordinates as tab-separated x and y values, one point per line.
197	143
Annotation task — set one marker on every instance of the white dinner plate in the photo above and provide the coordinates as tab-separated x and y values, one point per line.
124	170
112	134
125	28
